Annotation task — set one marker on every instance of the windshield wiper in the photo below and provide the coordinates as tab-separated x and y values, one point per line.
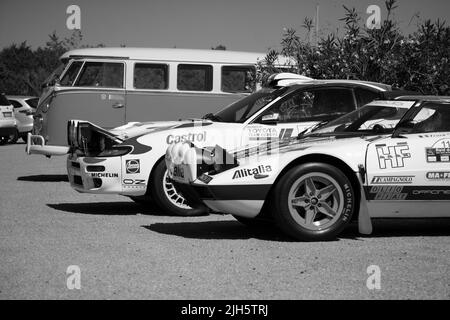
212	117
311	129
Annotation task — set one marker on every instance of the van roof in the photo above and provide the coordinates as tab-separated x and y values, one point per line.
168	54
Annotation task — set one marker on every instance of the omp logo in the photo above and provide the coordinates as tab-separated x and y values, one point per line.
242	173
392	179
194	137
132	166
392	155
442	175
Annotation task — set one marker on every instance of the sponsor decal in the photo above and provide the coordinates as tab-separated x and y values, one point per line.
387	193
262	133
392	156
178	171
439	152
392	179
132	166
205	178
133	181
242	173
408	193
194	137
104	175
440	175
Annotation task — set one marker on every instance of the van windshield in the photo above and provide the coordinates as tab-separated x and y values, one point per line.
243	109
53	76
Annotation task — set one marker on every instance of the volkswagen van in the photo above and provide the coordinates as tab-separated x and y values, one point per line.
114	86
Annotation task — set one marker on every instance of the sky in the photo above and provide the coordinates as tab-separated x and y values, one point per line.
241	25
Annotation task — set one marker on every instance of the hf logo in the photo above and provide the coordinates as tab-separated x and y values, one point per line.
392	156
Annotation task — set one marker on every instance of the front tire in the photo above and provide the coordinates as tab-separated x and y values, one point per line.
167	197
313	202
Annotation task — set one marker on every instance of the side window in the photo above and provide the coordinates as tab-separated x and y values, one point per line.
150	76
16	104
70	75
364	96
101	74
314	105
238	79
194	77
435	118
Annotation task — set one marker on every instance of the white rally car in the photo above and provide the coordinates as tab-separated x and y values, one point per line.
358	166
129	160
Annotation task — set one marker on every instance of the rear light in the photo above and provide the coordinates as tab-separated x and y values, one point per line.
115	151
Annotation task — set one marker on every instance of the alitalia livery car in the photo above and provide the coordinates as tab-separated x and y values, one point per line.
129	160
386	159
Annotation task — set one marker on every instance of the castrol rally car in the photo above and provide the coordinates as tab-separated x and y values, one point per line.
129	160
382	160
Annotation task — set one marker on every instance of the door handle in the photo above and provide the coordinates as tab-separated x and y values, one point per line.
118	105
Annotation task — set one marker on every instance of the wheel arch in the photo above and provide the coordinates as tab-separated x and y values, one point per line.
326	159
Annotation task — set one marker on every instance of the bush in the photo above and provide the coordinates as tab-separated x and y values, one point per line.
419	61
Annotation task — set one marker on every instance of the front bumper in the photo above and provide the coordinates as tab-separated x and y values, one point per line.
7	131
94	175
43	149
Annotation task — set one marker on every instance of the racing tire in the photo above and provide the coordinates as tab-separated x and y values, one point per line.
313	202
167	198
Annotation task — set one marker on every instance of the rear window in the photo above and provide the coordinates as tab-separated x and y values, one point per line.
16	104
4	101
150	76
194	77
33	102
238	79
101	74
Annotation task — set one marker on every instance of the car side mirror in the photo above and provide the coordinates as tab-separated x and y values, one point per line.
271	118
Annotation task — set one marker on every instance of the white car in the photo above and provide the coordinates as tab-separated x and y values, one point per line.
356	167
24	109
8	123
129	160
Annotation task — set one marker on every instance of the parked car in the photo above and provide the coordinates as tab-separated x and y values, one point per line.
129	160
8	123
388	159
24	109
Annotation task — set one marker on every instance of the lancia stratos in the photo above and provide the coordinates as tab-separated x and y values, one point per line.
386	159
129	160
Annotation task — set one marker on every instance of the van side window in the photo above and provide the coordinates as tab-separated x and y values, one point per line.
150	76
101	74
70	75
194	77
238	79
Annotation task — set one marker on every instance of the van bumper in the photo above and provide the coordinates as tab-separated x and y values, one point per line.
41	148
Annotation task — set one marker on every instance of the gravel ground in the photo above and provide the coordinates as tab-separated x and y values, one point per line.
127	251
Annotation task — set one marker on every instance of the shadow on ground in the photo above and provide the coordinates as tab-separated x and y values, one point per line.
235	230
214	230
45	178
106	208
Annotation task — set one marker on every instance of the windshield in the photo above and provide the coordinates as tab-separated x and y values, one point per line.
54	75
366	120
243	109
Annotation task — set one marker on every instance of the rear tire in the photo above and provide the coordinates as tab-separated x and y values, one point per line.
313	202
166	196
